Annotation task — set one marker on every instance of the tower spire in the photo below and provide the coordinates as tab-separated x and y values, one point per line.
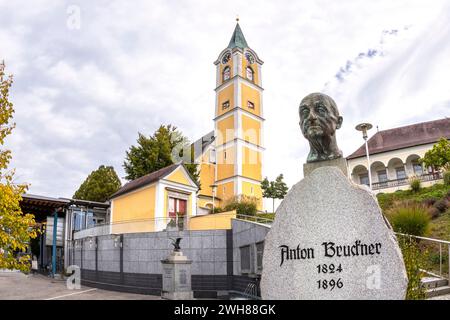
237	39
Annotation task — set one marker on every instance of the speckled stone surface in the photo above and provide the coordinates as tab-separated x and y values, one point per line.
321	212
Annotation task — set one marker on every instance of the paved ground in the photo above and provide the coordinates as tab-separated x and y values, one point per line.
17	286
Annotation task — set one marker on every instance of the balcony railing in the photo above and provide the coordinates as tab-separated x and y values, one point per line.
404	181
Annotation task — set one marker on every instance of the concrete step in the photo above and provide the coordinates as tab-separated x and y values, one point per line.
437	291
433	282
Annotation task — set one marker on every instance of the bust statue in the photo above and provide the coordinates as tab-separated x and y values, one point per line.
319	120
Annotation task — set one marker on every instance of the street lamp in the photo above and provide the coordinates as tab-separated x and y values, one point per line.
213	186
364	127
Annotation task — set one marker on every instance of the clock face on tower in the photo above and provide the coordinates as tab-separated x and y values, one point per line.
250	57
226	58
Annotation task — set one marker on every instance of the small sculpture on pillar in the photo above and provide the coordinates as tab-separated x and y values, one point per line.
176	244
176	274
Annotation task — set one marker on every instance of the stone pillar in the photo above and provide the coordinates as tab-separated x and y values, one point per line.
339	163
176	277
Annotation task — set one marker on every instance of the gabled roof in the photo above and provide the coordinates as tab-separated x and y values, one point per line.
404	137
237	39
147	179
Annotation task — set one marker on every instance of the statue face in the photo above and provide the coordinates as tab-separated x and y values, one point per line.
317	117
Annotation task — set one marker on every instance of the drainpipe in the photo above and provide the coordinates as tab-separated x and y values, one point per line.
55	229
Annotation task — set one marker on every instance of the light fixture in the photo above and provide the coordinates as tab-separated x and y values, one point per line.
364	127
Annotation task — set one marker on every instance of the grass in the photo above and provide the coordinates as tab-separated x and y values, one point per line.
387	200
440	227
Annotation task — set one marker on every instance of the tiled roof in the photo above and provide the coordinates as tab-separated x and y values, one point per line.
145	180
404	137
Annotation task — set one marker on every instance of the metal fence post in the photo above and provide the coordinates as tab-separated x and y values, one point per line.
448	270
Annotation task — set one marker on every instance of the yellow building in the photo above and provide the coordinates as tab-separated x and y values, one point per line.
230	157
151	202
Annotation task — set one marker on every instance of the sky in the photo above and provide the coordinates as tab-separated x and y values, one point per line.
88	76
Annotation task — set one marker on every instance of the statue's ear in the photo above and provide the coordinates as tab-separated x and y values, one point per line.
339	122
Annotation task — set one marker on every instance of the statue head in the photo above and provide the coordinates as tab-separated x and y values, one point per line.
319	120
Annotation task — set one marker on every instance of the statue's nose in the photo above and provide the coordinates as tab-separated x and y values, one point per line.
312	116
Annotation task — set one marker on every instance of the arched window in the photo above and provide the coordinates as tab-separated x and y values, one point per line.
250	73
226	73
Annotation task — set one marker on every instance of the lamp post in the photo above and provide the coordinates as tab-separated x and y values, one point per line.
213	187
364	127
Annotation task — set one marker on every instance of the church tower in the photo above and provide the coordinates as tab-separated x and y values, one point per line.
238	122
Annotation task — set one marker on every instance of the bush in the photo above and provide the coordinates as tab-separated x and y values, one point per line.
243	205
415	185
414	262
433	212
429	201
447	178
441	205
217	210
411	219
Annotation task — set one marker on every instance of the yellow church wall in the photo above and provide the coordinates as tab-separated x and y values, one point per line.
254	67
218	221
225	130
178	176
207	171
251	130
138	205
202	202
225	163
225	191
251	163
252	95
253	190
226	94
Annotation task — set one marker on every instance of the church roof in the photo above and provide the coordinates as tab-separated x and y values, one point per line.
237	39
404	137
149	179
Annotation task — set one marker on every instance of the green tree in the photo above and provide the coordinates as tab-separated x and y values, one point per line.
274	189
439	156
99	185
16	228
280	187
156	152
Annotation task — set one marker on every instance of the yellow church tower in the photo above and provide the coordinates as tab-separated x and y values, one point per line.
238	122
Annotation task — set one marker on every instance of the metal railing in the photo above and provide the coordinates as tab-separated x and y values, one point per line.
439	244
404	181
255	218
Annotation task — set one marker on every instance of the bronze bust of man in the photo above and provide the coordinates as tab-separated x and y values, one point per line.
319	120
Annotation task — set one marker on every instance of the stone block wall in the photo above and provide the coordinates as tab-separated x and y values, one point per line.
132	262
